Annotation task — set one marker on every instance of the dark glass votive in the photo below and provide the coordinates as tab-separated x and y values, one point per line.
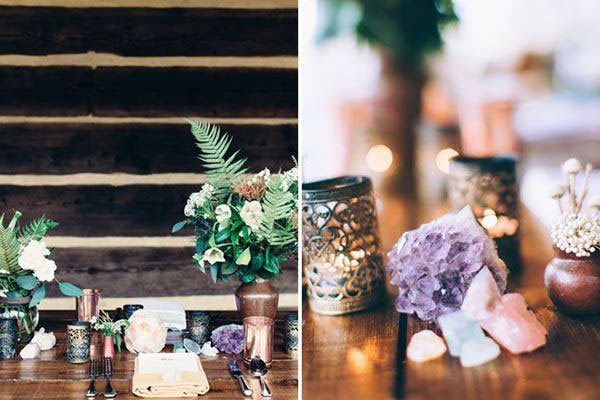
489	186
291	334
129	309
8	338
78	342
199	324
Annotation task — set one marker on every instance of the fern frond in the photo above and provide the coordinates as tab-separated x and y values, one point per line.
213	145
36	229
278	205
9	250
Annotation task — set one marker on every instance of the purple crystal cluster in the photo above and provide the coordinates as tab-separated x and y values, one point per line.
229	338
434	265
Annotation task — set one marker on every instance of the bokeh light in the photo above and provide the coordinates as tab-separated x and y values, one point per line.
379	158
442	160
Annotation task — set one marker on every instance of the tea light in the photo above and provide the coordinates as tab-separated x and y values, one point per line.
342	259
489	186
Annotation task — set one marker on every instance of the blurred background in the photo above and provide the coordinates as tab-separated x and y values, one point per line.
394	89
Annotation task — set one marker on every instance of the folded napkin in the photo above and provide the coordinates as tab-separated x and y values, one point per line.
169	375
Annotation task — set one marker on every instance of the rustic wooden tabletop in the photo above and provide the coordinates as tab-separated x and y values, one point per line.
362	355
51	377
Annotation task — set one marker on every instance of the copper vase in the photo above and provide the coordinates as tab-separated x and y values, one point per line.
573	283
257	304
108	347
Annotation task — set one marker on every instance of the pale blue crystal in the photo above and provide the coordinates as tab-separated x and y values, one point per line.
478	351
457	329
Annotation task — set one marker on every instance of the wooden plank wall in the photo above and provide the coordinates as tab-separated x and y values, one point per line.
92	100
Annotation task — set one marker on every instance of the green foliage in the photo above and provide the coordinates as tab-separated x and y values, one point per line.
9	248
27	282
409	29
214	145
68	289
36	229
278	208
37	296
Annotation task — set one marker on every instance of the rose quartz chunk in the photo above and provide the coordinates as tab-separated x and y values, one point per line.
425	346
482	296
514	326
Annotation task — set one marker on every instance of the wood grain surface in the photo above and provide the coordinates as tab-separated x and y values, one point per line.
57	148
51	377
362	355
144	91
149	32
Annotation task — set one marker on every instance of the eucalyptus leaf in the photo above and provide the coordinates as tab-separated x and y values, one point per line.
68	289
214	272
222	235
37	296
257	261
244	258
272	265
200	246
228	269
178	226
27	282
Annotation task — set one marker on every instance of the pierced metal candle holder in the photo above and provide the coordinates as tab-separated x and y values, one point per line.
129	309
9	337
78	342
291	334
199	323
341	249
489	186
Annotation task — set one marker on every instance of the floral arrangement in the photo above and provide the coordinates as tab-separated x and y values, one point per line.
576	232
104	323
229	338
245	225
434	264
24	264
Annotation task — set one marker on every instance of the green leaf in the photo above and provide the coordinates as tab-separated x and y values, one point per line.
214	272
10	249
222	235
37	296
272	265
197	259
178	226
200	246
247	277
118	342
36	229
229	269
68	289
245	233
257	261
27	282
244	258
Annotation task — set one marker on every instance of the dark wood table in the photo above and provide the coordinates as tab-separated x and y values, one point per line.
362	355
51	377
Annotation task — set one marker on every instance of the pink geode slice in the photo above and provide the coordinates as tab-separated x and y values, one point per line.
514	326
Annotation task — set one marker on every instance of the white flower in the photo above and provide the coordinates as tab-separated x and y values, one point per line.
33	255
558	191
32	350
198	199
45	271
213	255
595	202
46	341
251	214
264	175
223	213
571	166
2	293
289	178
577	233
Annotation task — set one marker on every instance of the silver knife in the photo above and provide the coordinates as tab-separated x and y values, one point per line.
237	374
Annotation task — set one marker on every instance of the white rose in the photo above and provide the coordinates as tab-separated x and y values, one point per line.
223	213
213	255
45	271
33	255
251	214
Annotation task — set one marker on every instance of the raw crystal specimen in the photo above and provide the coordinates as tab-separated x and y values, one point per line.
434	265
458	329
229	338
425	346
31	350
514	326
146	333
482	296
478	351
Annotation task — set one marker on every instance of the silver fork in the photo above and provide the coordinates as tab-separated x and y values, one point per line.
94	371
107	371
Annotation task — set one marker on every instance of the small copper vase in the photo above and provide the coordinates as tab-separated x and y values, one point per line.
108	347
257	299
573	283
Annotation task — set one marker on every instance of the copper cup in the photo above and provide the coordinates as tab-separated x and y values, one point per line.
258	339
88	305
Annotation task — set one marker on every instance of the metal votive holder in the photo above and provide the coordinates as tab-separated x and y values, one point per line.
291	334
199	326
9	337
129	309
78	342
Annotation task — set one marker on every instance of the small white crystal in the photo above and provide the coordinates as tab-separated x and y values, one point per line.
457	329
424	346
208	350
32	350
46	341
478	351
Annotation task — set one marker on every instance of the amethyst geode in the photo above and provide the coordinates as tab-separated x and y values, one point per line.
434	264
229	338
